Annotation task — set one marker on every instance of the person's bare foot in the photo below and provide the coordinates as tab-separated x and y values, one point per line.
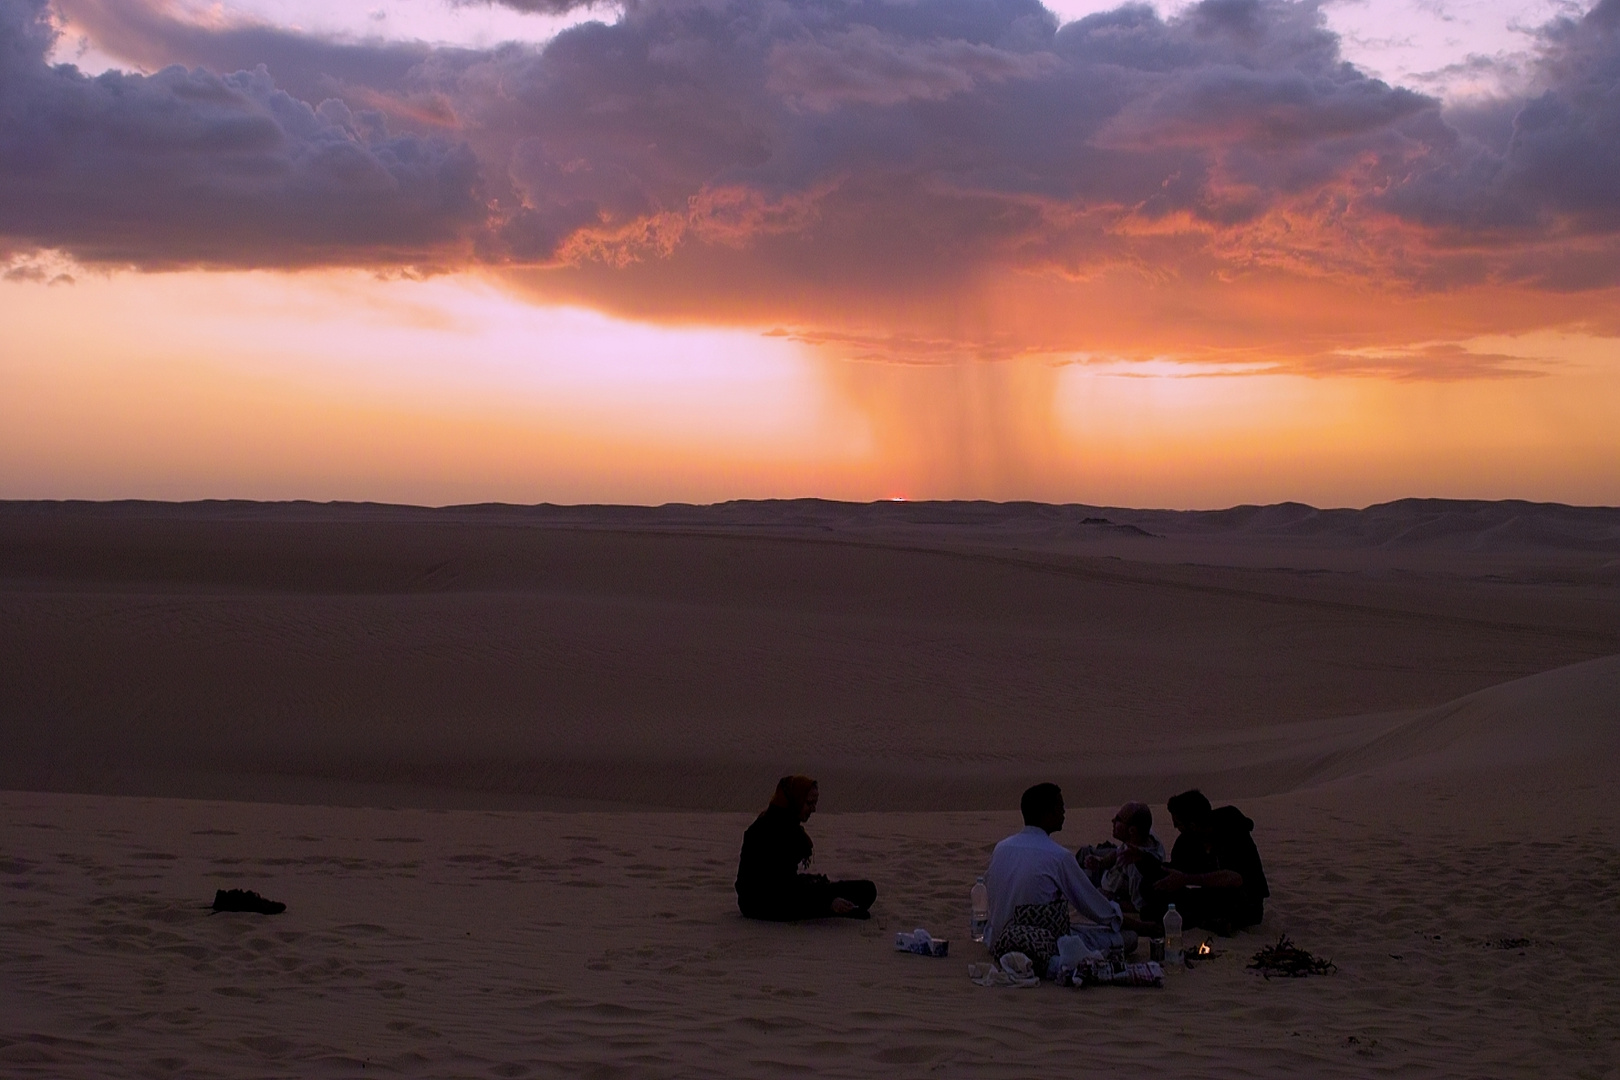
840	906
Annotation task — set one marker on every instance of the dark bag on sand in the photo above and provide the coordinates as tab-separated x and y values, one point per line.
246	900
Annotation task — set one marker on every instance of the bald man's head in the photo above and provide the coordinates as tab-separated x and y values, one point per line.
1133	824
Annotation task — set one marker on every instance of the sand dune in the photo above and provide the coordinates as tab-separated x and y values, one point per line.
1567	719
1418	704
556	657
1438	535
1554	726
471	943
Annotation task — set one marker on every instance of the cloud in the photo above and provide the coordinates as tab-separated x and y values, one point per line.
186	168
36	267
864	168
946	138
1537	191
1430	362
863	66
536	7
154	34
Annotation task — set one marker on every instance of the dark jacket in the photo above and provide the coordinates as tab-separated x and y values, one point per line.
1235	850
1229	846
769	884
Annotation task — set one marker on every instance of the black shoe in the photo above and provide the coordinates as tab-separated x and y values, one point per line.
246	900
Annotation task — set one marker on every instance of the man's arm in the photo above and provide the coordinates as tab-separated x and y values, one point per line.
1215	879
1085	897
1099	860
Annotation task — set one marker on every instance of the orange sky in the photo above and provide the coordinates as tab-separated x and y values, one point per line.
1191	254
342	385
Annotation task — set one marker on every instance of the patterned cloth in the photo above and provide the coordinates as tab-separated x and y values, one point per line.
1034	931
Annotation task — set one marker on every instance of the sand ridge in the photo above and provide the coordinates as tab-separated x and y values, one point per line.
1466	920
479	943
494	657
499	771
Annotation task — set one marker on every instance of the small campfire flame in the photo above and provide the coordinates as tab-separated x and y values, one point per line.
1204	949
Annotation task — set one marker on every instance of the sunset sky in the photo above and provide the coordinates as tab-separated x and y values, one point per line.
445	251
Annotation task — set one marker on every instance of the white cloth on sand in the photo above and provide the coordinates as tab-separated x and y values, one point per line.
1014	969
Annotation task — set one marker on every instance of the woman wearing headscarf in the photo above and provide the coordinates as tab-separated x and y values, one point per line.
775	851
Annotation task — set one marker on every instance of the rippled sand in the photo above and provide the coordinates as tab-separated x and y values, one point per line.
1421	799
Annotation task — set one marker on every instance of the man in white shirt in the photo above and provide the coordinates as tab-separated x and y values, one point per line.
1032	881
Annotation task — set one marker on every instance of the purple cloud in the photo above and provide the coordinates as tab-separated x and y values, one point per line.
1539	169
713	148
310	68
959	130
184	167
536	7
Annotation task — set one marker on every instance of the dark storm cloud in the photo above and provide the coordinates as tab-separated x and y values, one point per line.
1547	165
310	68
931	137
184	167
781	145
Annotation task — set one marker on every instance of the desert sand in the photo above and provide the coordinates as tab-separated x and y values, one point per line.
497	762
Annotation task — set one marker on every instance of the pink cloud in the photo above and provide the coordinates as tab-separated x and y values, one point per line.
833	156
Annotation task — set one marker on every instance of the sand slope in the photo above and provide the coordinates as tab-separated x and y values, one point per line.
1567	719
547	657
479	943
1419	705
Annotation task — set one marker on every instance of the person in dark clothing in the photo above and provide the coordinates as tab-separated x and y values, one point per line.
1215	877
776	849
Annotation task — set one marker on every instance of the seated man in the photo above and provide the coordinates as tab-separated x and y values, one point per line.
1121	871
1215	879
1032	880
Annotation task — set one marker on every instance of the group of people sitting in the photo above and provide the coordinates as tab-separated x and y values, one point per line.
1122	888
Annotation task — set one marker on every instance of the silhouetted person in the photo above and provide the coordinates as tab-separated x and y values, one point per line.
776	849
1215	879
1032	880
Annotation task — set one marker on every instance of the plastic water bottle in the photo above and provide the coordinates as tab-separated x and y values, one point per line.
1172	935
980	898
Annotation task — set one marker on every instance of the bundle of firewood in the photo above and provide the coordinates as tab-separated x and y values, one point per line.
1286	958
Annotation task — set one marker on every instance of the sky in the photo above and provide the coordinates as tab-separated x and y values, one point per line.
434	251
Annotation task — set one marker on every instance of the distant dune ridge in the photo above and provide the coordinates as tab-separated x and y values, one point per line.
497	762
1452	523
918	655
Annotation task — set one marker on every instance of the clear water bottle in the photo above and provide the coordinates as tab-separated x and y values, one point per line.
980	899
1172	935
